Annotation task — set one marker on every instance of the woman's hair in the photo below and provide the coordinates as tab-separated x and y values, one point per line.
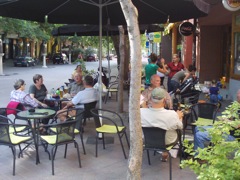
191	68
153	57
78	67
36	77
18	83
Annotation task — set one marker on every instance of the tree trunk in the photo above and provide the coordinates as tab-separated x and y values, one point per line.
115	40
136	149
127	58
121	70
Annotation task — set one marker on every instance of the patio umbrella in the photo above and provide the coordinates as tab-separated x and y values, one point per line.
102	12
93	30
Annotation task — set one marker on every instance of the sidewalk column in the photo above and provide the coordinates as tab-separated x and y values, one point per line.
44	55
44	61
70	60
1	55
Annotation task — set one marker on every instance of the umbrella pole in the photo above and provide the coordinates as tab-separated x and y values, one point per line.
108	58
100	56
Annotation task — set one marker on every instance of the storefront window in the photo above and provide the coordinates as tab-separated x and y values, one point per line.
237	53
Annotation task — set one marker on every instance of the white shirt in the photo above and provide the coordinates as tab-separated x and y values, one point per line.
85	96
164	119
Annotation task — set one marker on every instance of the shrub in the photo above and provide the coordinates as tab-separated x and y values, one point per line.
223	157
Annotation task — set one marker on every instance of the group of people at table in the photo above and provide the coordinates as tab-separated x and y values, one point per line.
156	103
81	91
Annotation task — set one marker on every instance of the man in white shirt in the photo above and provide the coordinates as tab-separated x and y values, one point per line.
158	116
89	94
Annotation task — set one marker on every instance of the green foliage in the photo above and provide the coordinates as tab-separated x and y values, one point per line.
223	157
27	29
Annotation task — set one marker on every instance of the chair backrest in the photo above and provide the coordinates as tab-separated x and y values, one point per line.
154	138
87	108
103	114
205	110
65	131
191	98
79	118
12	105
4	130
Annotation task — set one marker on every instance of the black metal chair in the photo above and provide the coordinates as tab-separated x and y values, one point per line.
203	114
79	117
111	123
12	139
112	88
63	135
87	108
154	140
207	111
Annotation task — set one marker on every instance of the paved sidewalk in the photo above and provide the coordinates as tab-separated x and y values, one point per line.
110	164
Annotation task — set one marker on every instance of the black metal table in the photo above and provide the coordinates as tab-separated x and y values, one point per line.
36	116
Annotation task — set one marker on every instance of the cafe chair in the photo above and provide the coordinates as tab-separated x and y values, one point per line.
204	113
79	125
12	111
109	122
112	88
12	139
154	140
87	108
64	135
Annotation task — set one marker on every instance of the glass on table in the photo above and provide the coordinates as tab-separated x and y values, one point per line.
65	90
61	93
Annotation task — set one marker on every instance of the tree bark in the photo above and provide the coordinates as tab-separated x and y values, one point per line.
136	148
121	70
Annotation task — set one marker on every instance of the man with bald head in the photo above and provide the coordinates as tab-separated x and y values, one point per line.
145	100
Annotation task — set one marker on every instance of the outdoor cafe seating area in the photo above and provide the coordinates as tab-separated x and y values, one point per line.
111	156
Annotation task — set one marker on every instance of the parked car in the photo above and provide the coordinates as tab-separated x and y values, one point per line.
59	58
24	61
91	58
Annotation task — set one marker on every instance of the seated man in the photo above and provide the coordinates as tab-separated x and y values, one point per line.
76	86
157	116
200	137
146	94
89	94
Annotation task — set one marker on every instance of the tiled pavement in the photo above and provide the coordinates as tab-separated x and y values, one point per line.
109	165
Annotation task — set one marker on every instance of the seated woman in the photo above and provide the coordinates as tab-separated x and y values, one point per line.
38	91
18	95
78	70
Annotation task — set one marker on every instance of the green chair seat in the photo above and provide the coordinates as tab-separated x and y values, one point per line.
51	139
76	131
109	129
203	122
17	129
15	139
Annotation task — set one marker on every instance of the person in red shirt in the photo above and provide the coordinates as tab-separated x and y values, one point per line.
174	67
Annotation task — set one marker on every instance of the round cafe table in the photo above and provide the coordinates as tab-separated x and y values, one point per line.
36	116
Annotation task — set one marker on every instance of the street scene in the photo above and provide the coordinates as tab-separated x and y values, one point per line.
110	89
